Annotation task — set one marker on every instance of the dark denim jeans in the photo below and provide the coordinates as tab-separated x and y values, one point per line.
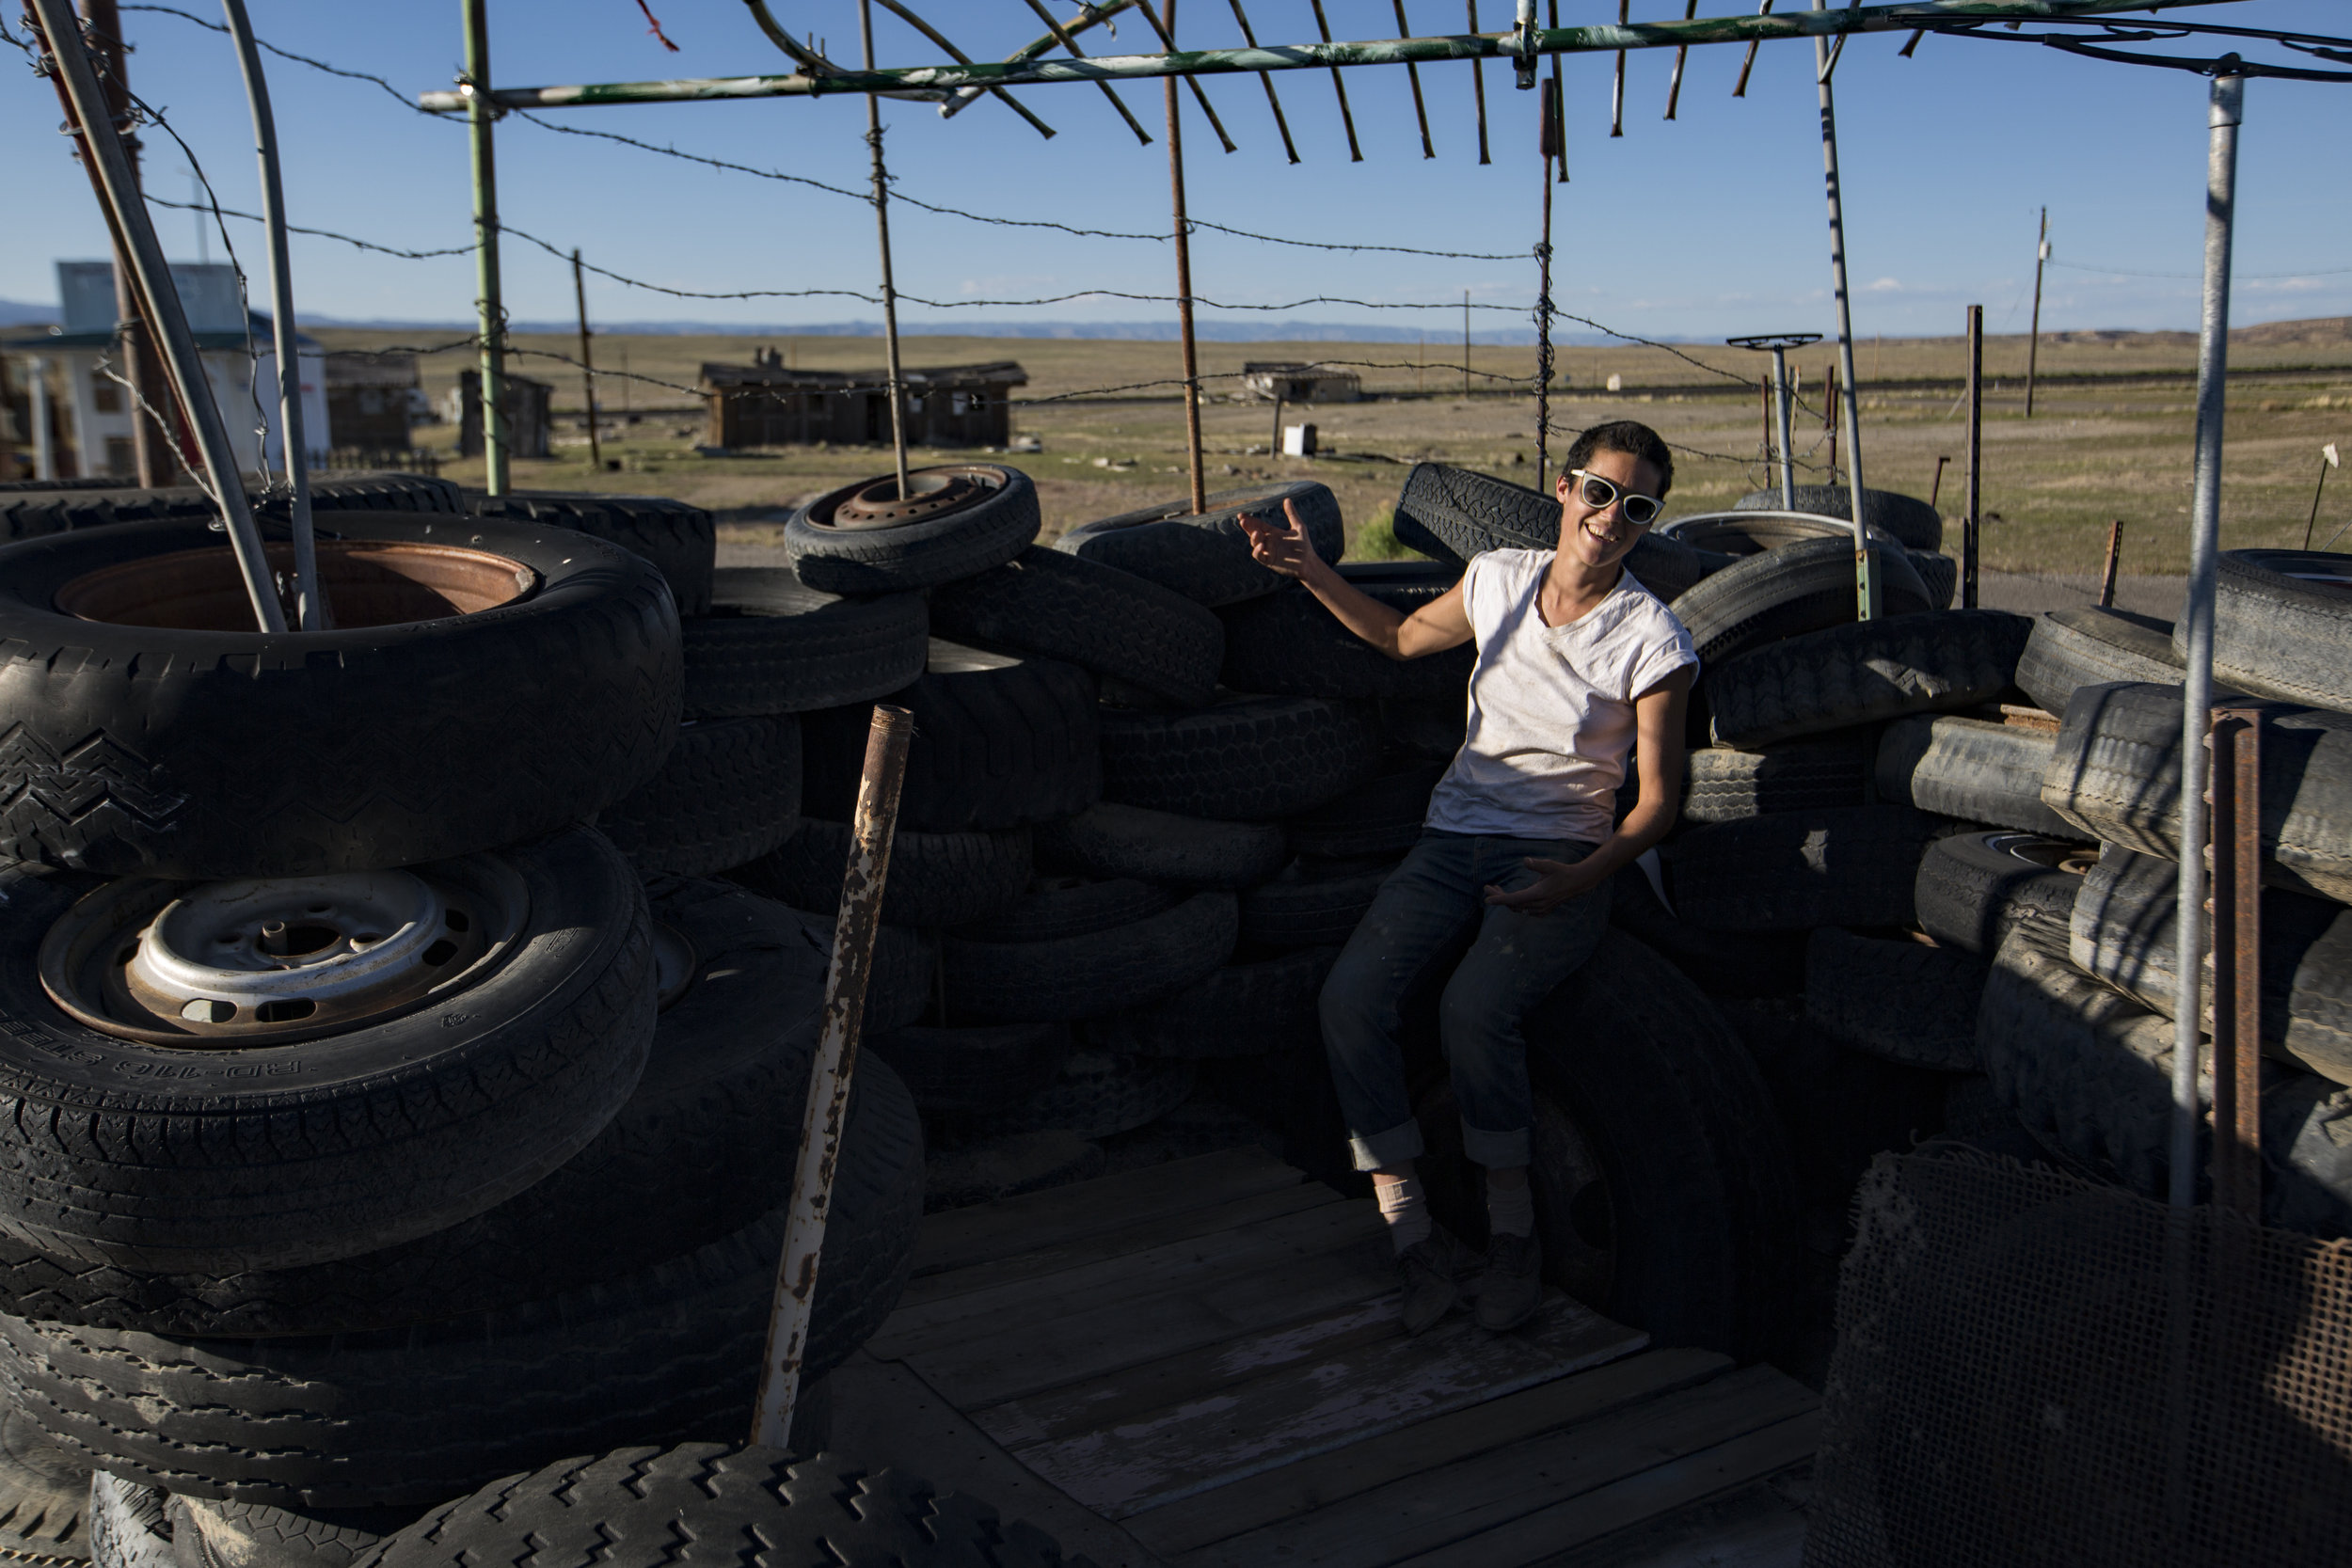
1434	898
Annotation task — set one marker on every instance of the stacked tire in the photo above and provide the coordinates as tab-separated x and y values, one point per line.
381	1127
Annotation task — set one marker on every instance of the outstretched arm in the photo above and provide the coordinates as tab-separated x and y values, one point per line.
1658	720
1432	629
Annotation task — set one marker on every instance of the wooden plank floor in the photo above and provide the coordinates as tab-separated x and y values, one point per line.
1198	1366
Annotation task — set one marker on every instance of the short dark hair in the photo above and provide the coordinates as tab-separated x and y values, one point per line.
1632	437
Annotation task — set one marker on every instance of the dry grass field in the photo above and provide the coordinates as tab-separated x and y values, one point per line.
2110	436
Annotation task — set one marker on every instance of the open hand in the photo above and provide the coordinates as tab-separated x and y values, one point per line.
1287	549
1555	883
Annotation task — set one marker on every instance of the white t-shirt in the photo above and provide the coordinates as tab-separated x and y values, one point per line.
1550	707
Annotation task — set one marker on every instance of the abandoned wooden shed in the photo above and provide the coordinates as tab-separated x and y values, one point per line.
371	400
765	404
1263	381
530	432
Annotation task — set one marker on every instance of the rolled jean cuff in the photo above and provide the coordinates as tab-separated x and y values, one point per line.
1394	1147
1495	1150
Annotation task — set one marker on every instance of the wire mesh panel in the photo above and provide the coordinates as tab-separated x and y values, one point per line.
2036	1370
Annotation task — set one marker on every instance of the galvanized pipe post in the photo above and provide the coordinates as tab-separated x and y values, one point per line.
1970	520
1780	416
587	364
882	230
490	304
2225	108
826	1114
2236	959
154	452
44	446
1865	578
311	611
1183	279
161	298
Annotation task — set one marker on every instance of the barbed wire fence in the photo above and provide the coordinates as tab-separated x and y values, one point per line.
1754	464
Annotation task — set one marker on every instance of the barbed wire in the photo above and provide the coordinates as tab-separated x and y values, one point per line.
155	201
402	99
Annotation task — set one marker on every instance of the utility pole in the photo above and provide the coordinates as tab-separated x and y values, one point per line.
490	307
153	448
881	228
1184	281
2033	333
587	365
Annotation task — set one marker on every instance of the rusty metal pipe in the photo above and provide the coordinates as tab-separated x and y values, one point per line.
1182	230
1412	75
1167	42
1339	85
830	1073
1070	43
1971	519
882	230
2235	739
1266	79
1478	90
2115	559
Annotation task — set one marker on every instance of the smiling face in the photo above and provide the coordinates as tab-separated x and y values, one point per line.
1598	537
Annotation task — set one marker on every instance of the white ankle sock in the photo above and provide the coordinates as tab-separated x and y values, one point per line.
1404	1209
1510	1211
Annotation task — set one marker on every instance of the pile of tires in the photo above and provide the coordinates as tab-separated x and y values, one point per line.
394	1099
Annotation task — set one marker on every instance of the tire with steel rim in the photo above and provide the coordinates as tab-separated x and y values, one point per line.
1907	518
959	520
489	682
191	1091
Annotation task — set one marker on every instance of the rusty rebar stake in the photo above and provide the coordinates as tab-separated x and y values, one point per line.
1674	83
904	14
1070	43
1266	79
1616	89
1167	42
2115	556
2235	740
1412	75
1747	61
1478	84
828	1075
1355	153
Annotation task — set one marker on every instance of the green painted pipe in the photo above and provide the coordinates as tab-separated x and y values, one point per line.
1303	56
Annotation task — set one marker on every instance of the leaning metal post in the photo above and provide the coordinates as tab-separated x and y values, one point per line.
2237	959
1971	521
490	308
1183	284
882	230
1865	579
309	593
587	363
154	448
2225	107
103	147
828	1075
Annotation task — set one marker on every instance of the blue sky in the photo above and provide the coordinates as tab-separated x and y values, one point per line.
1708	226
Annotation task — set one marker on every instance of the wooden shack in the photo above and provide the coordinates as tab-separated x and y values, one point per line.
530	432
765	404
1265	381
370	400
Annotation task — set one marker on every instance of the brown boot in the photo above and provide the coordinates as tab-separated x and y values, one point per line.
1513	1286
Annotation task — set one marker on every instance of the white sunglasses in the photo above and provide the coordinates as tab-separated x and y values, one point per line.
1640	510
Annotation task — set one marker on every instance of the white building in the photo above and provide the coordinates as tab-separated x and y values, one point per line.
66	369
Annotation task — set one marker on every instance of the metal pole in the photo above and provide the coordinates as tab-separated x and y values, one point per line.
489	305
162	298
587	365
1466	338
2033	332
2225	107
1971	521
311	611
1865	579
1781	417
2326	460
2115	559
2236	1161
828	1075
1184	281
154	452
44	445
1274	449
882	230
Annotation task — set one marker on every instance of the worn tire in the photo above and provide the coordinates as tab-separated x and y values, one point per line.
1054	907
1111	840
1286	644
2123	931
1864	672
1095	1094
1247	758
201	755
1241	1009
129	1524
411	1415
1752	530
1850	865
934	879
1973	888
1383	815
2282	626
905	973
209	1532
2115	774
1312	902
997	525
773	1510
729	792
1971	769
688	1158
33	508
681	541
1907	518
1000	741
1114	622
1099	972
969	1071
1900	1001
2088	645
1788	592
1733	965
2088	1072
770	644
44	1497
1724	785
1205	556
281	1155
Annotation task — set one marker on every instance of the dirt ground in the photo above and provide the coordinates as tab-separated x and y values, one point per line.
2114	447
